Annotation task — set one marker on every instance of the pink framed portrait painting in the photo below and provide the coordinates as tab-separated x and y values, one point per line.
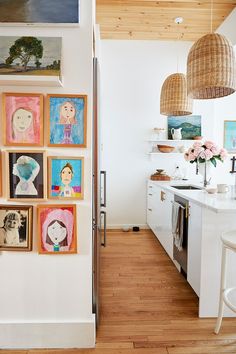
57	229
22	119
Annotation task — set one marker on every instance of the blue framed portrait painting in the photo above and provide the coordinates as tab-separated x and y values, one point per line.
65	177
230	135
67	120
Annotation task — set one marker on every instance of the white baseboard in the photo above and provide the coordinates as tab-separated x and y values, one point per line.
120	226
47	335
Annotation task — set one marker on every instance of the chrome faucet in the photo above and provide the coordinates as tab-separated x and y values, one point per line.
205	181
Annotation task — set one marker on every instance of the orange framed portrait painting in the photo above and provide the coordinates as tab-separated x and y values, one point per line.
22	119
0	173
57	229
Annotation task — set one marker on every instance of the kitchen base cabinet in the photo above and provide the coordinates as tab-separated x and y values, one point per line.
194	247
151	214
159	219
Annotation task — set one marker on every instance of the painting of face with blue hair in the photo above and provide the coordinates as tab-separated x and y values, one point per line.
26	168
26	175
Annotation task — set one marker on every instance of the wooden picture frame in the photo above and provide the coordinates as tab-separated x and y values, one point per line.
16	227
1	187
66	120
230	136
57	228
26	175
65	177
22	119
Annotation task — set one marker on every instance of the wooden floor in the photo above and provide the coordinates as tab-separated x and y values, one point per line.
147	307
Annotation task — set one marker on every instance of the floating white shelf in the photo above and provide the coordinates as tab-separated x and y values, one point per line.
165	153
24	80
170	141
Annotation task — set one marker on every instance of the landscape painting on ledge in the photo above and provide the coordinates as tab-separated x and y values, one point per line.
36	56
191	126
39	12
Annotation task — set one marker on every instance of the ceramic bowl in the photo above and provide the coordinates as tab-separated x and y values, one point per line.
211	190
165	148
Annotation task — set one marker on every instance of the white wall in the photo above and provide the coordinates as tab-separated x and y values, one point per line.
46	301
132	75
227	28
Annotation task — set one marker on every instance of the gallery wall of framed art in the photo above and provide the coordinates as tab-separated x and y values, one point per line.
32	174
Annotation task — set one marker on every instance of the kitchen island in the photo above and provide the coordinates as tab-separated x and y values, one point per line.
208	216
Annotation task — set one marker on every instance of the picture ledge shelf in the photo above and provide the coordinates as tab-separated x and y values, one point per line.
21	80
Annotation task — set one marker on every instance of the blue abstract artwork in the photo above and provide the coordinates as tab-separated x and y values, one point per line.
230	136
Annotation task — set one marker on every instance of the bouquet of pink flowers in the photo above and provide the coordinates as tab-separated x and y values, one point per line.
207	151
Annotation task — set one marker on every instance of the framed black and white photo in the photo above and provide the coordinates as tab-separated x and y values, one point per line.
26	175
16	223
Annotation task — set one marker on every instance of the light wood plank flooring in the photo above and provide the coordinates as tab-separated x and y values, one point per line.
147	307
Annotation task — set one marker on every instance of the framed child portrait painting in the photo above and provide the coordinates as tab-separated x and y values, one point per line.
16	223
65	177
57	229
26	175
22	119
67	120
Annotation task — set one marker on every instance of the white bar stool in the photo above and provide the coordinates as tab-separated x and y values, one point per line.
228	242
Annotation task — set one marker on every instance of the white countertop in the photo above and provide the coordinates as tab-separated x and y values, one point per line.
218	202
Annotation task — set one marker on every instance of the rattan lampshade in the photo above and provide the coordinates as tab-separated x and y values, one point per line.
211	68
174	99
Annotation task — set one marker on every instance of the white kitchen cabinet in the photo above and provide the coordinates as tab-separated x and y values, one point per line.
165	231
151	197
159	208
194	247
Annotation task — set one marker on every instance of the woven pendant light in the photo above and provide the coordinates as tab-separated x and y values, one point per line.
211	68
174	100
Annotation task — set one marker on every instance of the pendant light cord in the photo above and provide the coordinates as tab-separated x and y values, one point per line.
178	40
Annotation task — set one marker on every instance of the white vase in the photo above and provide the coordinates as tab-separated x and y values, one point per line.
209	171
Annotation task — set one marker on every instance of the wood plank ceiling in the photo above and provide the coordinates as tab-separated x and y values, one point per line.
154	19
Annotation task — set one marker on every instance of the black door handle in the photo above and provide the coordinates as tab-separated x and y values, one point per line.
105	228
104	200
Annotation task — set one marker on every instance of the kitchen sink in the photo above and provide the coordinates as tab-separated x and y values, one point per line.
187	187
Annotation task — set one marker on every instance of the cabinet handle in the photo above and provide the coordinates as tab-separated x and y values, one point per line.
163	196
149	209
187	212
149	186
149	193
